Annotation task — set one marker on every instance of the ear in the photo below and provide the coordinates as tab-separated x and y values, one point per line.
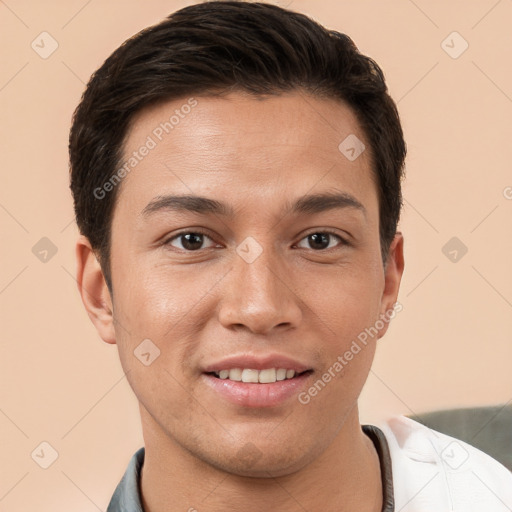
93	290
392	277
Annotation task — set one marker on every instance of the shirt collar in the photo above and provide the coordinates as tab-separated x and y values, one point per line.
382	447
127	497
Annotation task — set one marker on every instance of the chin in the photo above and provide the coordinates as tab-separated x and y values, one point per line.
258	461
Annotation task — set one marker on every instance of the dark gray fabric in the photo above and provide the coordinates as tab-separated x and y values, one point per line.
487	428
127	498
381	445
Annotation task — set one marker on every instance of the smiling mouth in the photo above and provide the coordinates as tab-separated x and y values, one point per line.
265	376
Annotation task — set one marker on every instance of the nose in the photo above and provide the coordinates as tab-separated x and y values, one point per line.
259	295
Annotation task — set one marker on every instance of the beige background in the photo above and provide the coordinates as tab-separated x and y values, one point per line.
451	344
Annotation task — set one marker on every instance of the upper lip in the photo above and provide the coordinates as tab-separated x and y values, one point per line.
254	362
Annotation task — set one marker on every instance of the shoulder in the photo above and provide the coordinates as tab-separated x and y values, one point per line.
431	469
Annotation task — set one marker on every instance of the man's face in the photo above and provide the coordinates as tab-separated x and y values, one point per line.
261	284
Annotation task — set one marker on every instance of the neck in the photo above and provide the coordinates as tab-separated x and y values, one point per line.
346	476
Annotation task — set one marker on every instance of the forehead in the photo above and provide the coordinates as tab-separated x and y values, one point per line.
244	147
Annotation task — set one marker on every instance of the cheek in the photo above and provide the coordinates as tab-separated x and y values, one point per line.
348	308
161	312
159	298
155	323
346	301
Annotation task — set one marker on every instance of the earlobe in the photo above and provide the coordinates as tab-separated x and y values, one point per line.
393	275
93	290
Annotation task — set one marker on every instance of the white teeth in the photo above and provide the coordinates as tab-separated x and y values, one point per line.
250	375
281	374
266	376
235	374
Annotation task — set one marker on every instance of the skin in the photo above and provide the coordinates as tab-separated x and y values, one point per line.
295	299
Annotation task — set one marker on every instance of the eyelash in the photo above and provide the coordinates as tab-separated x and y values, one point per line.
199	231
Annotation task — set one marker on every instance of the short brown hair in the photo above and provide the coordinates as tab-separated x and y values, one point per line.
219	47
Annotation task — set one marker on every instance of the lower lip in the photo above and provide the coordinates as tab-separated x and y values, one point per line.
249	394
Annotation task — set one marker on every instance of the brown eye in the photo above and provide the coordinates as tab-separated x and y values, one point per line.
189	240
322	240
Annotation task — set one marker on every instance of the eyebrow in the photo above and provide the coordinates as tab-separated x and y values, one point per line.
308	204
